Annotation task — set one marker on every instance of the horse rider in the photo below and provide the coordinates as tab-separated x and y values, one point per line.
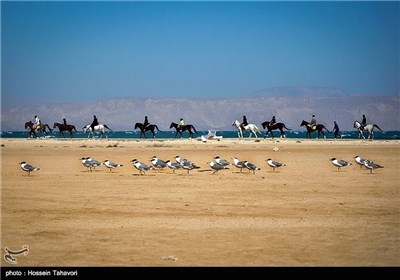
181	123
244	122
94	123
273	121
313	122
65	123
36	123
363	122
146	122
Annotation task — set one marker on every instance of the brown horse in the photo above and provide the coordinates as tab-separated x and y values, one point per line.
187	127
150	127
269	128
318	127
63	127
40	128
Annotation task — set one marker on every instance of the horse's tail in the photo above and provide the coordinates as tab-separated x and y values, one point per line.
323	126
286	127
157	127
195	131
257	129
74	128
375	125
48	127
107	127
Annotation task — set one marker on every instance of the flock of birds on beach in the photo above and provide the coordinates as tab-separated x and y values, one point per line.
217	165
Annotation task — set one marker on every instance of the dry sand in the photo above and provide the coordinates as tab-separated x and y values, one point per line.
304	214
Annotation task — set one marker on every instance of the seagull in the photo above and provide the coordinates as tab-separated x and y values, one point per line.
173	165
251	166
360	160
238	164
142	167
186	164
88	164
216	166
160	164
220	161
371	165
28	168
93	162
111	165
340	163
274	164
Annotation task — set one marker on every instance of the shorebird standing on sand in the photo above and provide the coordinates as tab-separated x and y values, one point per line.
274	164
28	168
339	163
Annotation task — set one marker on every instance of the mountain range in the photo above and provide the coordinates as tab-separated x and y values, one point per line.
290	105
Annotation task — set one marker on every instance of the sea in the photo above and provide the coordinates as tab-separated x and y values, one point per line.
386	135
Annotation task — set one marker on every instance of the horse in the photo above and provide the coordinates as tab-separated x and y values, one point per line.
99	128
368	127
63	127
279	126
251	127
180	129
40	128
318	127
150	127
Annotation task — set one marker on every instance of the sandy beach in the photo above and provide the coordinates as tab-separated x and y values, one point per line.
306	213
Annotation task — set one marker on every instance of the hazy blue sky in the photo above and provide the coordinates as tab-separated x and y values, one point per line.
71	51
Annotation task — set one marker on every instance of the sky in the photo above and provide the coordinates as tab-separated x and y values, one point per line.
87	51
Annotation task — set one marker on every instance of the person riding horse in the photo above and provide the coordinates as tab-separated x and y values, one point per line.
145	123
273	121
94	123
244	122
181	123
313	123
36	123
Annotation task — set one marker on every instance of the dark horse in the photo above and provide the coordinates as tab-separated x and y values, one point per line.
63	127
279	126
318	128
41	128
179	130
150	127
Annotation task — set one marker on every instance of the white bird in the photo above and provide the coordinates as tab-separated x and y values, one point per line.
186	164
142	167
221	161
371	165
238	164
93	162
251	167
88	164
274	164
111	165
340	163
158	163
217	167
28	168
359	160
173	165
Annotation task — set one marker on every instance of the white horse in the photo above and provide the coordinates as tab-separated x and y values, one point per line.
368	127
251	127
99	128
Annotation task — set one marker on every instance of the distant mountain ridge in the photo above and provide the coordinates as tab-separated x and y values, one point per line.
289	105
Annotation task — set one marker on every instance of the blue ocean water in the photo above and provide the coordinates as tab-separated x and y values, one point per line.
386	135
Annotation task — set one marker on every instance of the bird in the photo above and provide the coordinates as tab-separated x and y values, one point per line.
371	165
238	164
142	167
186	164
173	165
360	160
93	162
86	163
274	164
216	166
220	161
28	168
251	167
111	165
158	163
340	163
